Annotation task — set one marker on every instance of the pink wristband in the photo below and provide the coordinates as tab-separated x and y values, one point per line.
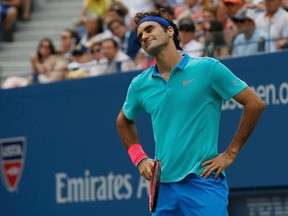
136	154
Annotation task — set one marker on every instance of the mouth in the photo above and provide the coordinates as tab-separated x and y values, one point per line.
148	43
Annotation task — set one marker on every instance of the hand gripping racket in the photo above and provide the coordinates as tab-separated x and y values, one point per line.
154	186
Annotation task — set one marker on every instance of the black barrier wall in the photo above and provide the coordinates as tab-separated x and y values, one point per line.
61	155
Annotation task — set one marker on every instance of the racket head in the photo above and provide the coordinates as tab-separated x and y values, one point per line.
154	186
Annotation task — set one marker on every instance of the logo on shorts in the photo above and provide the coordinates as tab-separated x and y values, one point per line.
12	158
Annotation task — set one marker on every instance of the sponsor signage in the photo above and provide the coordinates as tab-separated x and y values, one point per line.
12	159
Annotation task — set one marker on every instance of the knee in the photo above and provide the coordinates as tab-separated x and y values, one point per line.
12	12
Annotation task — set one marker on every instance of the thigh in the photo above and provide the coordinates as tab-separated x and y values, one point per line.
167	201
204	197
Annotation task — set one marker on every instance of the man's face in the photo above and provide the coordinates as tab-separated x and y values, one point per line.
96	51
118	30
232	8
208	16
92	25
272	6
82	58
66	40
152	36
186	34
244	25
109	50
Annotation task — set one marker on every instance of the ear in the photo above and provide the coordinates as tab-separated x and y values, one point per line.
170	31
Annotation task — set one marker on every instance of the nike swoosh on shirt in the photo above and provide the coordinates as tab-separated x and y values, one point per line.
187	82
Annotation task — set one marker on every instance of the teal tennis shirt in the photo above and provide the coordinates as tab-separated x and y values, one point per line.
185	111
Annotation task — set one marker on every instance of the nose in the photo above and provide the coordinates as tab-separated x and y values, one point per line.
144	37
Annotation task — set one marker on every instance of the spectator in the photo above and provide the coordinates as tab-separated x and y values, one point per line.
188	42
55	69
118	11
168	9
8	18
209	12
15	82
250	40
99	7
178	9
96	52
94	31
231	7
221	15
44	50
25	9
214	40
82	63
129	43
275	22
69	39
137	5
195	9
115	60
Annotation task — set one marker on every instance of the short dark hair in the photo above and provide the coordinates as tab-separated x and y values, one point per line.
114	42
99	21
121	22
74	35
160	13
119	8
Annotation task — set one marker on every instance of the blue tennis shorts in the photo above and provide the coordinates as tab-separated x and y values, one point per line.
193	196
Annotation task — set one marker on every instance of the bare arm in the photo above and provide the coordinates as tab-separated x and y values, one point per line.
34	60
128	134
83	15
253	107
127	130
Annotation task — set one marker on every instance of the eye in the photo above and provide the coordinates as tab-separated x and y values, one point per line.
149	29
139	37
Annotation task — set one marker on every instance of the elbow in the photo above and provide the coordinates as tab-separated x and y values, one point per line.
121	120
259	106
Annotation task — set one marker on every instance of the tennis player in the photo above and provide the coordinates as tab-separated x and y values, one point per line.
183	95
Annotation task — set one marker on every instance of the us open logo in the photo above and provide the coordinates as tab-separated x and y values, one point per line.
12	158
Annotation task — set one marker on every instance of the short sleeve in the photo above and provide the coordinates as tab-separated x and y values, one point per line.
131	107
224	82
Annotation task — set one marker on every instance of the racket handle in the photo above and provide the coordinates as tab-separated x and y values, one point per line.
136	154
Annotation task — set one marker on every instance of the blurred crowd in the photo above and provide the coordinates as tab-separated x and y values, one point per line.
11	11
103	40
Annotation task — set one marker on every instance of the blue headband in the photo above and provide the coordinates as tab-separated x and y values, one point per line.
157	19
154	19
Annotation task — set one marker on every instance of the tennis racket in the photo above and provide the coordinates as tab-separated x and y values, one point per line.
154	186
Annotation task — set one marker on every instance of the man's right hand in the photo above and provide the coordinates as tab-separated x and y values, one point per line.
145	168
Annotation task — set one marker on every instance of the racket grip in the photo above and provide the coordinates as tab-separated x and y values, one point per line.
136	154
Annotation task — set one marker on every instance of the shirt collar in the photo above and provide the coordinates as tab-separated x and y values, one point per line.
275	14
180	65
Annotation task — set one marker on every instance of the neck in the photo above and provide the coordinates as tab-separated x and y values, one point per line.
249	33
270	14
166	61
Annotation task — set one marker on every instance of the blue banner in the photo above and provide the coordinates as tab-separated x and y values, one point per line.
75	164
